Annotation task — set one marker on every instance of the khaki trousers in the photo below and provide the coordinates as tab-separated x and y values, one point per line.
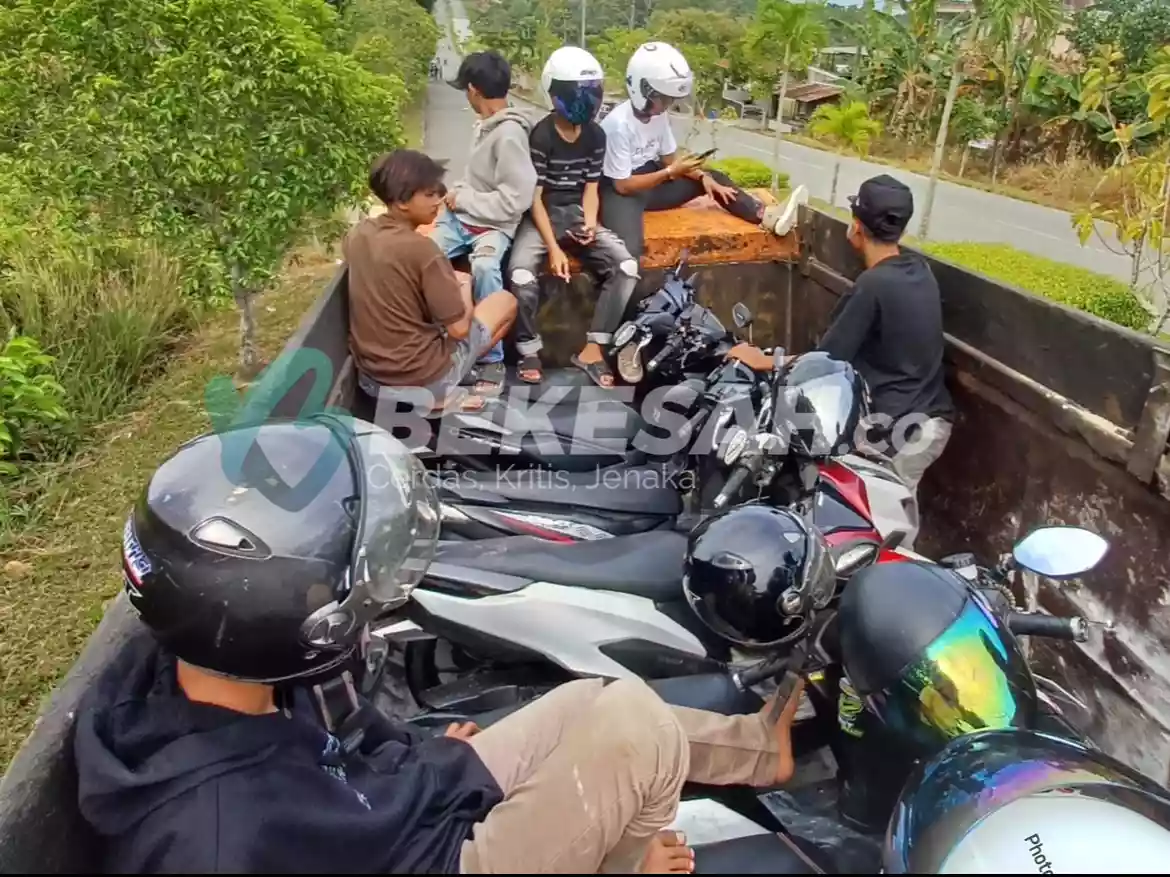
591	772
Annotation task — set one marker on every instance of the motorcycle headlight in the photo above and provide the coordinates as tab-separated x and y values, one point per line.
736	444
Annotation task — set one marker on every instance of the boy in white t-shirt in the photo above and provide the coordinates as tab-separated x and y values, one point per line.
643	170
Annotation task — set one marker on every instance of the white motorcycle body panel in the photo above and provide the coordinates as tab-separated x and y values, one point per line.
891	503
566	625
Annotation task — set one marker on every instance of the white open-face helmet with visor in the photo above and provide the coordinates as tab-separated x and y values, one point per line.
574	83
656	77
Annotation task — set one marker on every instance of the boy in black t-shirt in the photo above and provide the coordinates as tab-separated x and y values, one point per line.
568	149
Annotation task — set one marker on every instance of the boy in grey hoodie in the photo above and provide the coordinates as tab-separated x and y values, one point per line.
484	208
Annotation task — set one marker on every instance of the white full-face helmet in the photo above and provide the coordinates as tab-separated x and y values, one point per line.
574	83
656	77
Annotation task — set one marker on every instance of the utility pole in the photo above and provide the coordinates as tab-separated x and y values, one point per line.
583	23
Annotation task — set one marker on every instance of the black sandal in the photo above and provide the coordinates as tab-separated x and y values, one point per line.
597	371
528	364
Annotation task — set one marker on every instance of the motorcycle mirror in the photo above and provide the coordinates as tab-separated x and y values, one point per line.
1060	552
854	557
741	315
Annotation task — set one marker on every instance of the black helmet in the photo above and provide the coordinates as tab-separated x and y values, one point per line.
240	574
929	657
753	573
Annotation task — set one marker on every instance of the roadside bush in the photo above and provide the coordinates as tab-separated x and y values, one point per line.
748	173
107	311
30	399
1076	287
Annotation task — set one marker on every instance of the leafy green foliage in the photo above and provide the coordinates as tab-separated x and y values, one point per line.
1076	287
220	129
29	396
707	40
783	38
848	127
393	38
613	52
747	173
1140	27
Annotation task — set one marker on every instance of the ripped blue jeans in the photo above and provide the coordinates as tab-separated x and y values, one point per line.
486	252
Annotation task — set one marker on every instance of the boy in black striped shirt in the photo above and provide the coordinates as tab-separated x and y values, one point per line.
568	149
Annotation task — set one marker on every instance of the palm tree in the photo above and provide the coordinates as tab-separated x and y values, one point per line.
791	32
849	128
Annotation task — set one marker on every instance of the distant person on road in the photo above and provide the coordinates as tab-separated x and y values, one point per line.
643	170
486	205
890	328
411	320
568	151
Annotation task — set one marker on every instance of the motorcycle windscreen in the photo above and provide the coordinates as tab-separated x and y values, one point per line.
819	405
973	677
399	527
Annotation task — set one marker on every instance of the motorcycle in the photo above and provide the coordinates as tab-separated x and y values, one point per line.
672	334
956	780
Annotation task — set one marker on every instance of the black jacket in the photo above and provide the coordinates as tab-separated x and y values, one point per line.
175	786
890	328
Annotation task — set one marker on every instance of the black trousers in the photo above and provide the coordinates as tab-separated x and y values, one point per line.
622	214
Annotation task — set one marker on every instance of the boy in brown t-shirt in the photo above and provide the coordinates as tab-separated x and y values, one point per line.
411	321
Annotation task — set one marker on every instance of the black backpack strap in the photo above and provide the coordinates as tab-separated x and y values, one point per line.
346	714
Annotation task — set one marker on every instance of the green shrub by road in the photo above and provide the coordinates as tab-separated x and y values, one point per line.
747	173
1076	287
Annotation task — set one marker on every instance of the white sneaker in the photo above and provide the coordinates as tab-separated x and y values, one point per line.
781	218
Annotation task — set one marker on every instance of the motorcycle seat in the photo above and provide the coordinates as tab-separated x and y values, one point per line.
646	490
646	565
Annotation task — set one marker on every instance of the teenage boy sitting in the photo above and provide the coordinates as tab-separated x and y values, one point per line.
568	150
485	206
411	321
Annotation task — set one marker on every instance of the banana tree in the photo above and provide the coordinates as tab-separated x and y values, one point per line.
1019	31
792	33
849	128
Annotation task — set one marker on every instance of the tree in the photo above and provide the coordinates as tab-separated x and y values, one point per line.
1138	28
970	38
969	122
1020	30
613	52
849	128
784	38
1142	177
223	129
393	38
707	40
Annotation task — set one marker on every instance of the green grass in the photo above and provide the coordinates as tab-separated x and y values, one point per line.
61	565
1071	285
1077	287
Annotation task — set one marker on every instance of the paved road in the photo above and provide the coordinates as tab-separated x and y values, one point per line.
960	213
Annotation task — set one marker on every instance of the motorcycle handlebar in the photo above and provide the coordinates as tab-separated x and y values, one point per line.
671	347
738	476
1074	629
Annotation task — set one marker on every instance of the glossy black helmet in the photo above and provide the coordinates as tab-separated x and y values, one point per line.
929	657
753	574
260	553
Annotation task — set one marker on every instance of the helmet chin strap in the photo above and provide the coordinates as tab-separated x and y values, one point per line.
344	703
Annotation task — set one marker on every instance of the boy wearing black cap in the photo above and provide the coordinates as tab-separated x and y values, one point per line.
890	328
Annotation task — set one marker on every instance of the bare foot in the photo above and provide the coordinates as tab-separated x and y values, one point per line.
668	853
591	352
783	732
